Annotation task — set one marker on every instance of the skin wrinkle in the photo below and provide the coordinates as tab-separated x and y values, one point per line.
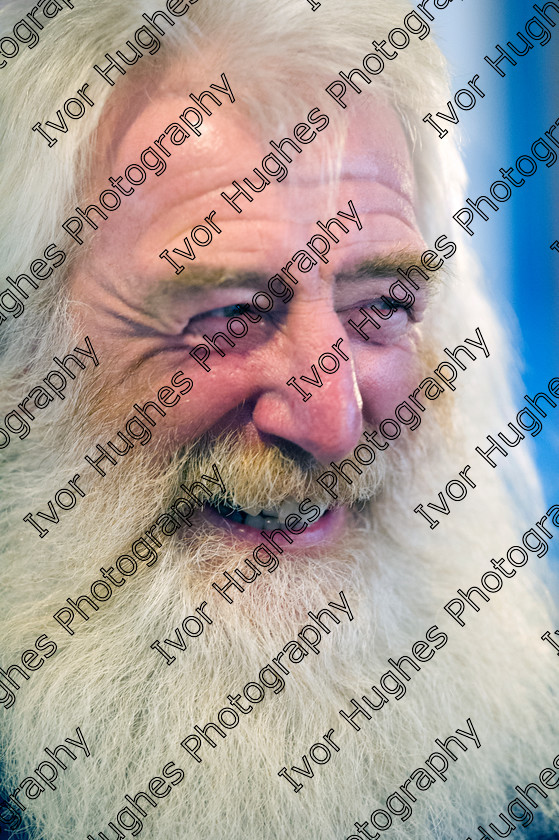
270	232
198	279
177	239
396	574
229	173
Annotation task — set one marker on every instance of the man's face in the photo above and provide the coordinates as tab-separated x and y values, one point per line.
135	706
146	319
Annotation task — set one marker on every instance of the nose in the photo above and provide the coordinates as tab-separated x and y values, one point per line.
329	422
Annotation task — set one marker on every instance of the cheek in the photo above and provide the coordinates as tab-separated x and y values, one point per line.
386	376
213	397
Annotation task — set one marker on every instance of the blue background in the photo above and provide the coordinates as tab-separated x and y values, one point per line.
514	246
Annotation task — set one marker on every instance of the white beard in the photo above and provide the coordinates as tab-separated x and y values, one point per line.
134	710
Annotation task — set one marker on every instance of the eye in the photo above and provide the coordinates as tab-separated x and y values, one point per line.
232	311
384	304
238	324
220	316
383	320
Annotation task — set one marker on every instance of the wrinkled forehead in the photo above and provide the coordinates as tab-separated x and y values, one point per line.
361	154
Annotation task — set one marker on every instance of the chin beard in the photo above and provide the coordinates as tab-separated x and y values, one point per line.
134	709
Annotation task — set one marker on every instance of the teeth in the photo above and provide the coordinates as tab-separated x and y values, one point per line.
264	519
288	506
255	521
252	511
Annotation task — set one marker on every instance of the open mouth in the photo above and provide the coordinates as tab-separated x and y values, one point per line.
262	519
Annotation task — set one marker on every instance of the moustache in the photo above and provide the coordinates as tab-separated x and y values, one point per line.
263	479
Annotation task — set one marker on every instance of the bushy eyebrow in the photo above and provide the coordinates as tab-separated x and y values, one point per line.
389	266
200	278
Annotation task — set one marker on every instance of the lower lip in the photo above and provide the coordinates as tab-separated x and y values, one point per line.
327	529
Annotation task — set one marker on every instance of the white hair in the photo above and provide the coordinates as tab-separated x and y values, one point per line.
283	60
133	713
